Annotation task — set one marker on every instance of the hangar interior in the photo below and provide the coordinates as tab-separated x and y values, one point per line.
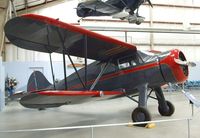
172	24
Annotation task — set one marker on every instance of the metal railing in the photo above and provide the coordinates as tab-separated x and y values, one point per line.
92	127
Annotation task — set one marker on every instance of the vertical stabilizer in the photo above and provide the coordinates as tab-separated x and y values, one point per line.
37	81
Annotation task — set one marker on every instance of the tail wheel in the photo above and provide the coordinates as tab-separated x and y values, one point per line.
141	114
170	110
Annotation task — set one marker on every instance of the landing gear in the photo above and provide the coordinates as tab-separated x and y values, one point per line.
135	19
165	108
41	108
141	114
170	110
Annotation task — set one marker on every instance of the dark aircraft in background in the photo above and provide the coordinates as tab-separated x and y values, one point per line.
119	70
121	9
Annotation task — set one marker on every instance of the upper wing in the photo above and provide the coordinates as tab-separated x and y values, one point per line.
96	8
44	34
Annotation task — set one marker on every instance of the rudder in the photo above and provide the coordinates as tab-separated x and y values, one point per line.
37	81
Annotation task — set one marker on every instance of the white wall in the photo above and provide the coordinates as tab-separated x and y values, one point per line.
194	74
2	86
22	71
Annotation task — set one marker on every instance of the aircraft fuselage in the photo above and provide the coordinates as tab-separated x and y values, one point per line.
130	72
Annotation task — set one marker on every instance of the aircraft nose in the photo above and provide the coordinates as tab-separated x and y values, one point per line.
177	71
182	63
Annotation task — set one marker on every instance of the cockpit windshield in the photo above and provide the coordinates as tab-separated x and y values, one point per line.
147	56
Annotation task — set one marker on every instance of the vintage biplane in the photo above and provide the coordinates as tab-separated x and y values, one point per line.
119	68
121	9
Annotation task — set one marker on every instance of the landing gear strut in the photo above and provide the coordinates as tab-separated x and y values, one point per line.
141	113
165	108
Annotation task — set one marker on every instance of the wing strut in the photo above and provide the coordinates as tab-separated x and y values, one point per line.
52	72
76	70
64	67
85	45
99	76
63	52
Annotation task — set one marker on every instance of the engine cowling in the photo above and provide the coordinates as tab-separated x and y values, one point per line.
174	71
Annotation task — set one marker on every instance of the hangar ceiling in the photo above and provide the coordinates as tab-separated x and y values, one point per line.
20	5
17	5
25	4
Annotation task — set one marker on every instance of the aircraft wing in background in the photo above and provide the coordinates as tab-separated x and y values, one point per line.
96	8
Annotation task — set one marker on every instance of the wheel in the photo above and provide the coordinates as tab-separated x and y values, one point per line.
41	108
141	114
170	110
138	22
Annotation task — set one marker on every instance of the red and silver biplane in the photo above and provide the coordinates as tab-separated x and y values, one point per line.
119	70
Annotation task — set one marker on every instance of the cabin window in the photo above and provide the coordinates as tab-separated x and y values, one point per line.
133	63
127	62
124	65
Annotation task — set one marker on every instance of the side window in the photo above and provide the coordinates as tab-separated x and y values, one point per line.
125	62
133	63
124	65
130	61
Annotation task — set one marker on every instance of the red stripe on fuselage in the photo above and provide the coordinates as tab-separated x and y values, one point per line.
120	73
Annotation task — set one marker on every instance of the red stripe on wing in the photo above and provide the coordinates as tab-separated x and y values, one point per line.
79	93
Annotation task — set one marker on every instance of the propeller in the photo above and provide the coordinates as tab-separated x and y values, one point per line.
184	63
150	3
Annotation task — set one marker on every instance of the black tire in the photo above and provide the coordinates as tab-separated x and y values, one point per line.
41	108
170	111
138	22
141	114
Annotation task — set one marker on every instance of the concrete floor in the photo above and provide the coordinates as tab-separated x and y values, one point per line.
100	112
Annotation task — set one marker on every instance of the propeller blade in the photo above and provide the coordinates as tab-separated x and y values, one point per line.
150	3
192	64
185	63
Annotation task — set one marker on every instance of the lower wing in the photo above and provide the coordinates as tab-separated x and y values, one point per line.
56	98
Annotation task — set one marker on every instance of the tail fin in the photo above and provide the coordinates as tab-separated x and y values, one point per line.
37	81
